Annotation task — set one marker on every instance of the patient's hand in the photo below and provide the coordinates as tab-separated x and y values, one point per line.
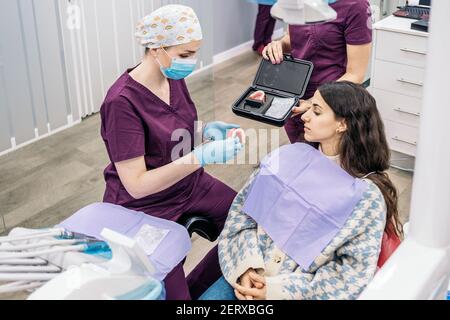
251	287
246	282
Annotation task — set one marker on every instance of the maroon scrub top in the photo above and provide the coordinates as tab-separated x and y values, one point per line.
135	122
325	44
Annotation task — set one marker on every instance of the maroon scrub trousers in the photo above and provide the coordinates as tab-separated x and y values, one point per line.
264	27
325	45
136	123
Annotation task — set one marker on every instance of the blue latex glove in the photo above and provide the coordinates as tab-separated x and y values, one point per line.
219	151
217	130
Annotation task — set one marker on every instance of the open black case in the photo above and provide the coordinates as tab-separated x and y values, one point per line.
284	84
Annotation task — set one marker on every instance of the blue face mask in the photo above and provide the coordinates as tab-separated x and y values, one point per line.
179	68
331	1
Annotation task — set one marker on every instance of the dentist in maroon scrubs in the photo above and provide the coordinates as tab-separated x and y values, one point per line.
339	50
139	115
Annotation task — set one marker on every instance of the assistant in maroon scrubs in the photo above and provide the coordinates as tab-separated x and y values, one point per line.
264	27
326	45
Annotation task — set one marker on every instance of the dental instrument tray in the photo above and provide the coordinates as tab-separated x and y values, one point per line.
275	90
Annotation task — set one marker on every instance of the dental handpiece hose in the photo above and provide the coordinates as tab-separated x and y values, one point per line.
89	246
27	276
39	244
47	233
25	262
32	254
19	286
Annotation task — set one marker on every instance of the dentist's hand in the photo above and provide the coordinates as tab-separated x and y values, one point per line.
219	151
274	52
217	130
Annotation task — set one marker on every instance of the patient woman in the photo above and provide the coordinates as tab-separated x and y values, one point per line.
309	223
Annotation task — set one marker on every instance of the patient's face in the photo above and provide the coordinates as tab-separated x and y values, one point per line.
321	124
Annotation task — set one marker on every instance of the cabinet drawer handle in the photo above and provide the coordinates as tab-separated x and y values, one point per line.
416	83
407	112
396	138
414	51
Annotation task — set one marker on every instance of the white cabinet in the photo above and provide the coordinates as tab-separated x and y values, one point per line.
398	69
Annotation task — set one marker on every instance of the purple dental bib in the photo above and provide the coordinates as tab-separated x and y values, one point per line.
302	200
172	249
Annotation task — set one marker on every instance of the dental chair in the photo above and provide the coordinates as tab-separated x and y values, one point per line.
388	245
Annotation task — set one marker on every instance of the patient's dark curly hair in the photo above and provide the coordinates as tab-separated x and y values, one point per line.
363	147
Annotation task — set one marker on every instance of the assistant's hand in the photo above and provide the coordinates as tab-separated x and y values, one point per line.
217	130
219	151
301	108
274	52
